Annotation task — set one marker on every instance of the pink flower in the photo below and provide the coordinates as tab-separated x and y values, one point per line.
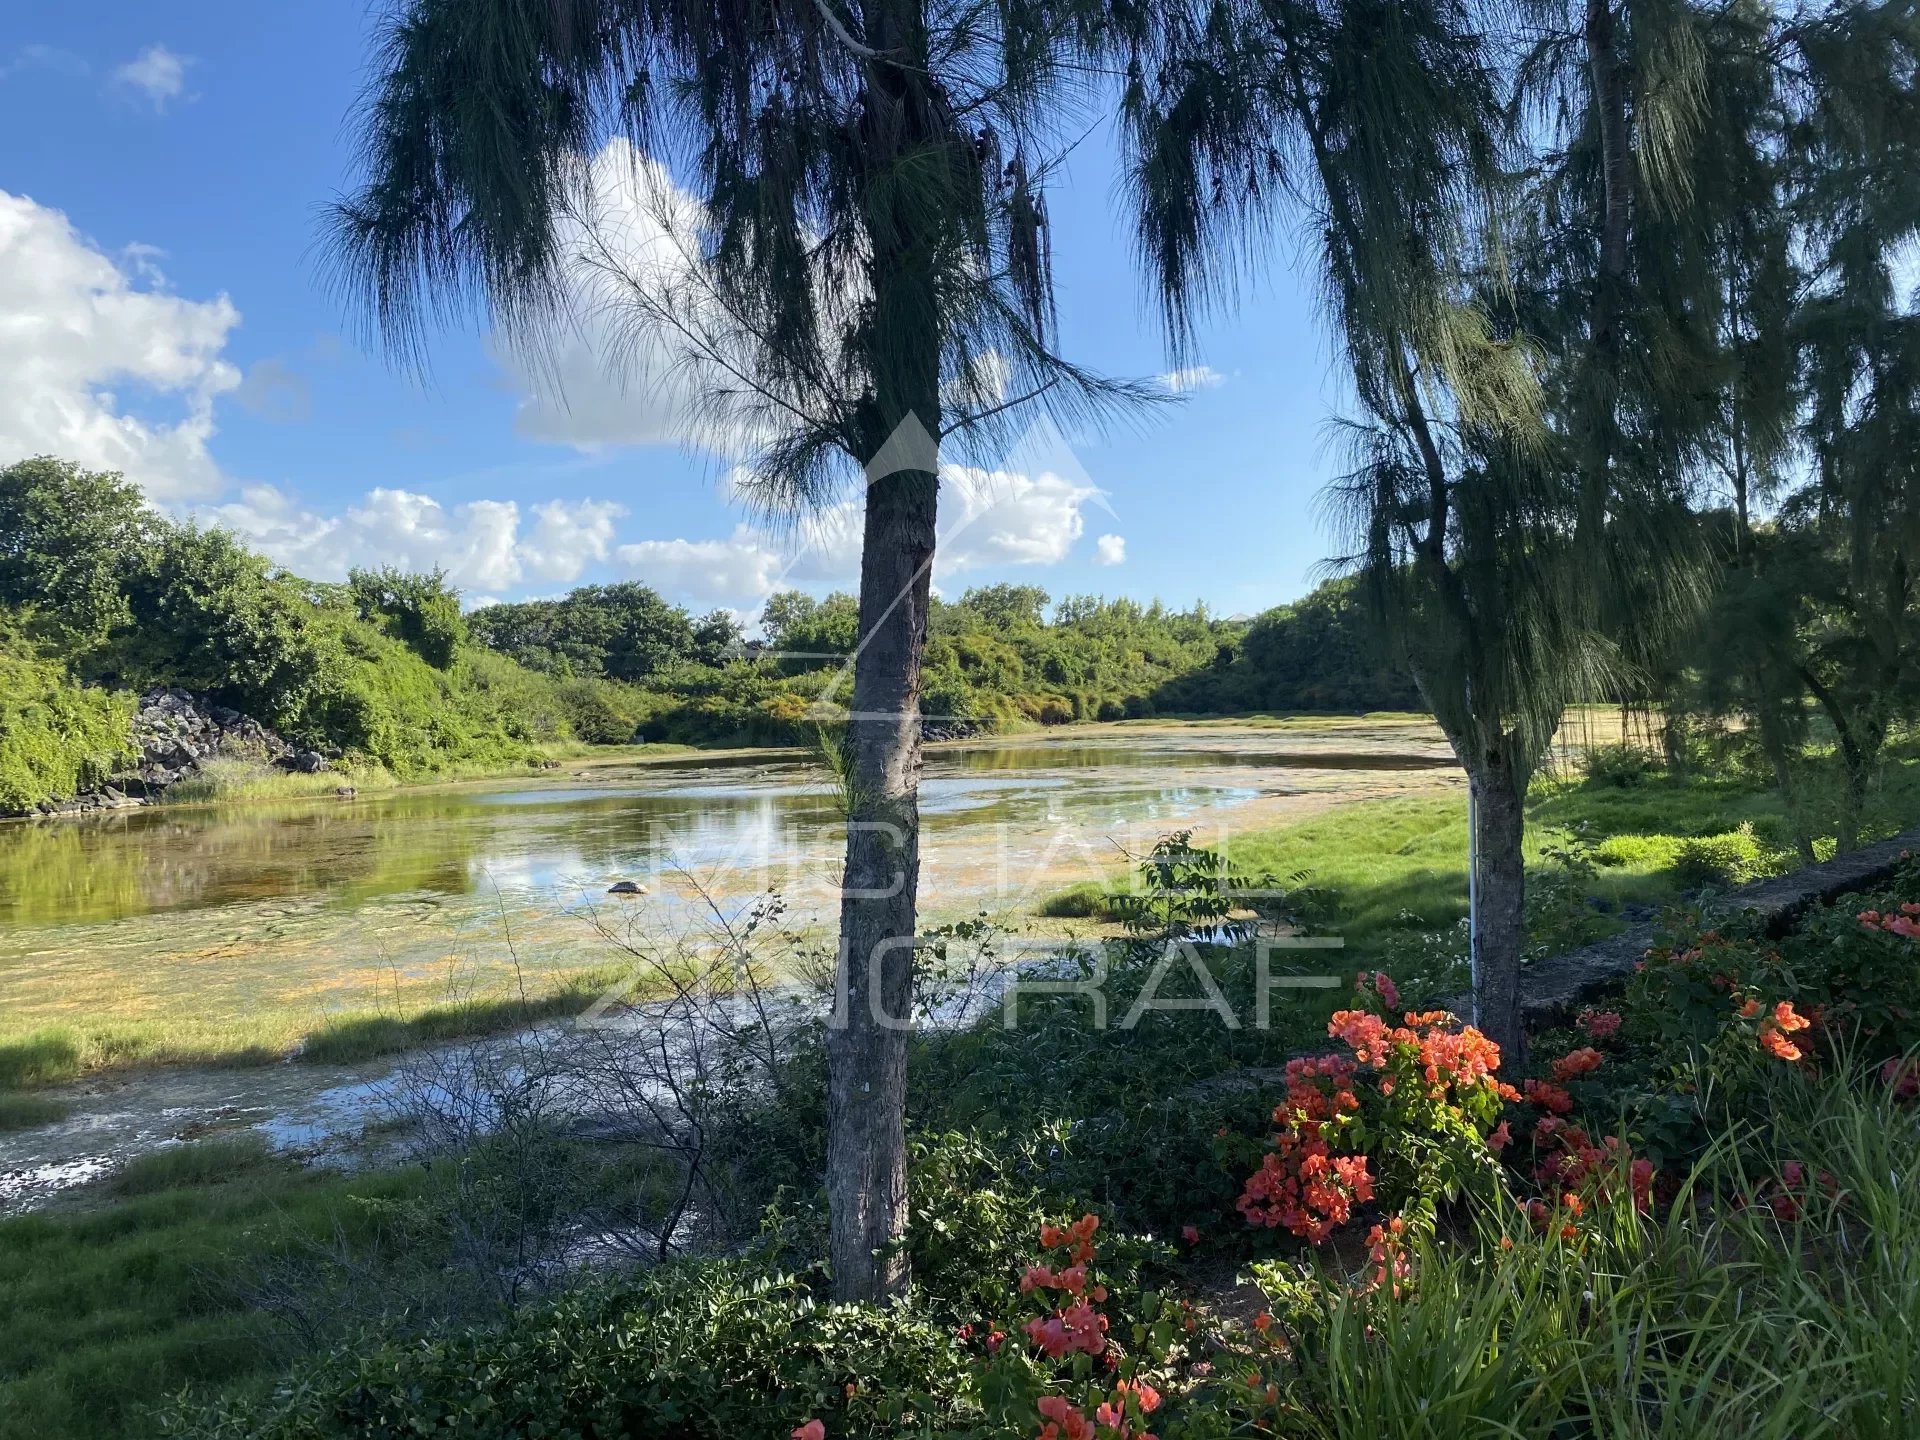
810	1430
1600	1024
1190	1234
1387	990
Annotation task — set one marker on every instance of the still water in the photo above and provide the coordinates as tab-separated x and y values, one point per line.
336	902
190	919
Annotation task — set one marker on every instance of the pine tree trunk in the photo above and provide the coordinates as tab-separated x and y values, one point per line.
867	1041
867	1044
1499	893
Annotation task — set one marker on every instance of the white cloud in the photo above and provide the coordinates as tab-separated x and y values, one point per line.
1111	549
744	566
989	519
480	544
610	380
1002	517
567	538
73	324
1191	378
158	75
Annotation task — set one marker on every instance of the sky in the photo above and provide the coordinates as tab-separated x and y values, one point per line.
166	311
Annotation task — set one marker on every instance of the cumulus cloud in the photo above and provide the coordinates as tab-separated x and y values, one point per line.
1110	549
481	544
1191	378
157	75
77	327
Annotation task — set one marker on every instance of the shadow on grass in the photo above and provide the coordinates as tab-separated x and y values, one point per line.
361	1037
45	1057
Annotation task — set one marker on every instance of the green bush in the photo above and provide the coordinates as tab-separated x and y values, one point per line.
711	1351
1735	857
1622	766
57	737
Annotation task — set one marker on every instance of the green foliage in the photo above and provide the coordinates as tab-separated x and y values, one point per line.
66	538
57	737
1623	766
994	657
620	632
1323	652
1735	857
708	1351
421	609
208	615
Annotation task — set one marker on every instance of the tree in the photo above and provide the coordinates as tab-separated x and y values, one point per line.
209	616
1510	466
423	610
866	283
1007	607
1380	123
67	536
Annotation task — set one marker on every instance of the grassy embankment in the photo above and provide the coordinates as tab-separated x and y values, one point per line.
154	1287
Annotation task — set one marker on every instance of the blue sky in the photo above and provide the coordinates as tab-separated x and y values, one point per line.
164	310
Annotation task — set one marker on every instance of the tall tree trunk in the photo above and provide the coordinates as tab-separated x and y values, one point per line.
1499	881
867	1041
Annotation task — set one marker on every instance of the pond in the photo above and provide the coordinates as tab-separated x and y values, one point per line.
252	924
335	902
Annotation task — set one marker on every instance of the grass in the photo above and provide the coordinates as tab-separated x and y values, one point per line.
63	1052
112	1309
1401	864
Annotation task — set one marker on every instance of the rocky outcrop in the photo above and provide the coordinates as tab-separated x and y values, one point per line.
175	733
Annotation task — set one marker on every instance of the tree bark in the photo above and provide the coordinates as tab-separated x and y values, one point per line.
1499	892
867	1042
867	1038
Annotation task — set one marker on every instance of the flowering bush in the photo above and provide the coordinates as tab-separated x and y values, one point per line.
1407	1113
1079	1375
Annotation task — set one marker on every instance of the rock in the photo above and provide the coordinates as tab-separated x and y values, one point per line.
308	762
626	887
174	733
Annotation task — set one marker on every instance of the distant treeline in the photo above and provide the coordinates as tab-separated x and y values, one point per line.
1001	653
100	596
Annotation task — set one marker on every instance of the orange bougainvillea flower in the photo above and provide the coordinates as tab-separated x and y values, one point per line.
1576	1063
1548	1096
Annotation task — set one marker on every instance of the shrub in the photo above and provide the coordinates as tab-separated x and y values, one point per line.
1731	858
1621	766
57	738
708	1351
